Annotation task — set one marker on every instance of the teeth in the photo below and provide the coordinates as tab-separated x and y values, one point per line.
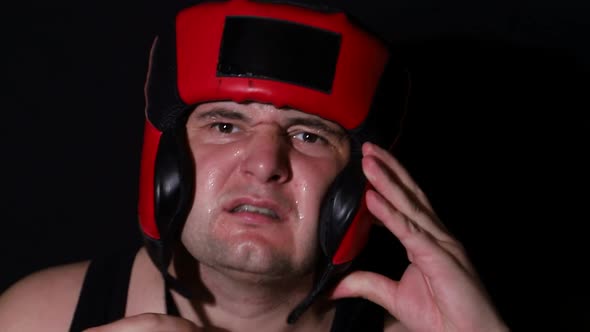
255	209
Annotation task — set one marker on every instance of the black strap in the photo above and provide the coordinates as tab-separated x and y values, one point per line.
352	315
171	307
104	292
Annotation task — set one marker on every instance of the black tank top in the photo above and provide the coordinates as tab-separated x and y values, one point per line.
103	299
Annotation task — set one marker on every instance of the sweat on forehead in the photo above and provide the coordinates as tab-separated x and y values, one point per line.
282	55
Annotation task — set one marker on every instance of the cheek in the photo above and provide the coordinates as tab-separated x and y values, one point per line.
313	180
212	163
212	169
209	176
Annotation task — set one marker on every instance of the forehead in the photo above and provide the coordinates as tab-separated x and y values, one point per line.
255	112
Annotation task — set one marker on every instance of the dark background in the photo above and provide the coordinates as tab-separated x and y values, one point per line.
496	136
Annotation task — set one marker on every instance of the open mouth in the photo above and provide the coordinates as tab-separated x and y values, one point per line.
255	209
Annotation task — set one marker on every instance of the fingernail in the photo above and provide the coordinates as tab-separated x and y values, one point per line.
366	147
367	167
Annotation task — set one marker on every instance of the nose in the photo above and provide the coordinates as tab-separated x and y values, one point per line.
267	155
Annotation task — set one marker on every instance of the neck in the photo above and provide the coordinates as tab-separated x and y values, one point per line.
237	301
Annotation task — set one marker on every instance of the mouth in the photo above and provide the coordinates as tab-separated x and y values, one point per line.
255	209
258	208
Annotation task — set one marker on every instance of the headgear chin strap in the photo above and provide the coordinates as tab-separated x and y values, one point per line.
315	61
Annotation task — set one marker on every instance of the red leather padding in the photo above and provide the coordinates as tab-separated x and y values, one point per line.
362	58
147	219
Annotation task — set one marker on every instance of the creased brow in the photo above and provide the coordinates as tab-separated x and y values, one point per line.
223	114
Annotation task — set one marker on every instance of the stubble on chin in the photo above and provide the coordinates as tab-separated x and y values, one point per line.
251	260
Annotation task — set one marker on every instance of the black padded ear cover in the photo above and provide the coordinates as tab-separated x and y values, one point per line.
173	167
174	185
342	203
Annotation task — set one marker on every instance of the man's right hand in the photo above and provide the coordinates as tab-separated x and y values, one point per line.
148	322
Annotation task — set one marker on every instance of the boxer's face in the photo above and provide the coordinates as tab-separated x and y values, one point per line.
261	174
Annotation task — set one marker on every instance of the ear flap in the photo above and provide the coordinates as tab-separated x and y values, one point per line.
344	226
174	192
174	181
340	208
167	175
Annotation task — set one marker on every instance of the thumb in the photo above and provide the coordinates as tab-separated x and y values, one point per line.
368	285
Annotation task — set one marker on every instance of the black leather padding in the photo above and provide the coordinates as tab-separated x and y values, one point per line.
174	183
164	107
287	52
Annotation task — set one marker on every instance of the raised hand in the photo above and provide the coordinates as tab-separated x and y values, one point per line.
440	289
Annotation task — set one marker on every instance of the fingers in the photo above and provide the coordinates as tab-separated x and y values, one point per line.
149	322
423	303
400	205
423	249
400	190
368	285
399	171
399	299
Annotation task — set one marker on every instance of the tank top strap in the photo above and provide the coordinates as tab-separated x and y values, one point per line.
103	297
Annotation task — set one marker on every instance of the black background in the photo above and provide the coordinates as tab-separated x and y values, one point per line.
496	136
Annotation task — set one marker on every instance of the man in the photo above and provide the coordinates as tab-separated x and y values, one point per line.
259	177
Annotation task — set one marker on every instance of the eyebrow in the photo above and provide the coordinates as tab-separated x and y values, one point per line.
318	125
223	113
314	123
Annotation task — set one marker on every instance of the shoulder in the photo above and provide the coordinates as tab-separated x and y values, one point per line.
145	276
44	300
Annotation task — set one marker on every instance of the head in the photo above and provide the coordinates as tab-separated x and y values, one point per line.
261	173
255	116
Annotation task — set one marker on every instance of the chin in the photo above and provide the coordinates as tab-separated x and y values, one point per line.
250	252
258	257
258	261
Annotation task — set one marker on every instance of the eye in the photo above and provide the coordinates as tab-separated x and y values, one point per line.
308	137
225	128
